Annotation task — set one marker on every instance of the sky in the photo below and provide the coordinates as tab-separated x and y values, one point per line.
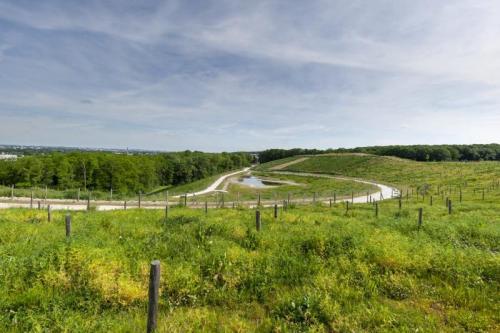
248	75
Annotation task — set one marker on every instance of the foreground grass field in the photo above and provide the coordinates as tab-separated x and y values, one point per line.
315	269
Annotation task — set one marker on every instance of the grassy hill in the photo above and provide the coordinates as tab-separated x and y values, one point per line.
313	269
397	171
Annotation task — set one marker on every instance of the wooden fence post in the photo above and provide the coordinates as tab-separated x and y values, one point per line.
400	203
330	202
12	192
376	209
78	195
449	206
139	199
125	205
257	220
39	205
222	197
483	193
68	225
275	211
352	196
206	206
31	200
88	201
49	213
346	207
334	197
258	200
431	200
154	286
420	213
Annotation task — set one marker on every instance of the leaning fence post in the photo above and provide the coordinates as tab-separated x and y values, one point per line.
257	220
68	225
154	285
420	213
49	213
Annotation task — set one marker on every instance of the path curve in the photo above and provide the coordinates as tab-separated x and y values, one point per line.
385	192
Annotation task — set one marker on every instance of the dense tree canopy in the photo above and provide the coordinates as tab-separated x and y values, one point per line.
120	172
477	152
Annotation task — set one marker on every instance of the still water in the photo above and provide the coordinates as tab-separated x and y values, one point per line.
256	182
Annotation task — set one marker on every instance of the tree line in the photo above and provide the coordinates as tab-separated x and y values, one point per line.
123	173
426	153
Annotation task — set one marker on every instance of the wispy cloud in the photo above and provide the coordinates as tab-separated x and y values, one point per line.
224	75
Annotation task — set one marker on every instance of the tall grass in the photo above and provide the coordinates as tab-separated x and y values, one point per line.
314	269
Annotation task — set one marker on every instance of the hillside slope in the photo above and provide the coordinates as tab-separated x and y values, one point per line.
396	171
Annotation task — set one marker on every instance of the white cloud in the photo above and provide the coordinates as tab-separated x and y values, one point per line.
319	73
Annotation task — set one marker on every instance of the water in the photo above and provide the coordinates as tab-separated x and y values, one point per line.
256	182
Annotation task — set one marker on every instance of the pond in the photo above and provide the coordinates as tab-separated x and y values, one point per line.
256	182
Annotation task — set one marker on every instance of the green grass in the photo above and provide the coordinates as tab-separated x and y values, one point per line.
314	269
307	186
400	172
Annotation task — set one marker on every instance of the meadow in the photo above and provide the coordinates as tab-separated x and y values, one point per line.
399	172
315	268
299	188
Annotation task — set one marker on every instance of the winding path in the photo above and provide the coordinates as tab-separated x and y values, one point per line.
385	192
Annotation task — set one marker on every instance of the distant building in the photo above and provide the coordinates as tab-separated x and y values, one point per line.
7	157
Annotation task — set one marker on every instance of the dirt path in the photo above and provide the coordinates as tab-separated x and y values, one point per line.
284	165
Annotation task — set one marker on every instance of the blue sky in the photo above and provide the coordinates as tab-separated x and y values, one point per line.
249	75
